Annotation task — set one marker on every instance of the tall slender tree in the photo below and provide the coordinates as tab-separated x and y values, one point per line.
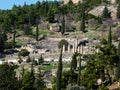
28	80
14	33
63	25
59	73
79	71
82	27
37	32
39	83
110	37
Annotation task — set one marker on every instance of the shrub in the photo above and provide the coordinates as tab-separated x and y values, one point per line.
23	52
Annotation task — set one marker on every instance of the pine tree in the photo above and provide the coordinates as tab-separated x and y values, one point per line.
118	10
110	37
59	73
82	27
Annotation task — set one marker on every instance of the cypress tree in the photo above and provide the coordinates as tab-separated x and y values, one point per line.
37	33
73	67
39	83
110	37
82	27
79	72
14	33
28	80
63	25
59	73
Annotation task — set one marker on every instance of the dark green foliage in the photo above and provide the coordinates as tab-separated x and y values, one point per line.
37	33
3	39
28	80
63	26
79	72
110	37
50	16
106	13
63	42
8	80
39	83
14	33
59	73
74	61
23	52
82	26
118	72
40	59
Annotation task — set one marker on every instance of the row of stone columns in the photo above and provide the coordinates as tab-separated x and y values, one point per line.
74	49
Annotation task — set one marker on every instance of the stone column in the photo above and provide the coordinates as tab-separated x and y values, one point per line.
68	48
73	48
63	48
81	49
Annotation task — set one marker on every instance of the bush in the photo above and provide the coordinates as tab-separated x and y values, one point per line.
23	52
63	42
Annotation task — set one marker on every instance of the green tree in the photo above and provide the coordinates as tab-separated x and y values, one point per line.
39	83
79	72
37	33
8	80
28	80
73	68
59	73
63	25
3	39
82	27
23	52
110	37
14	33
74	61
